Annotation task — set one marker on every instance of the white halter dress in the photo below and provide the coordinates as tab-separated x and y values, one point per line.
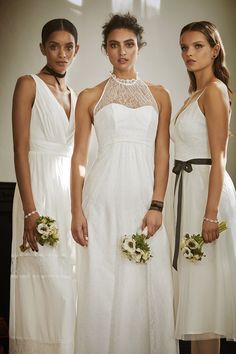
123	307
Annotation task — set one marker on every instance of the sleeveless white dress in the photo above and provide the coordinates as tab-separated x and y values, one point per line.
206	291
123	307
43	284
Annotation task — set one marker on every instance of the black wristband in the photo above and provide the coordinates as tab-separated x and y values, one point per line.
156	205
155	208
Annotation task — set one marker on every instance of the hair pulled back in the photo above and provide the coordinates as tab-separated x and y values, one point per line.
58	24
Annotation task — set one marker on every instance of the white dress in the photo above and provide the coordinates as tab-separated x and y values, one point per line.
43	284
123	307
206	294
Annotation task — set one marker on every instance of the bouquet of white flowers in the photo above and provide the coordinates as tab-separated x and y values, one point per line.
46	232
136	247
191	246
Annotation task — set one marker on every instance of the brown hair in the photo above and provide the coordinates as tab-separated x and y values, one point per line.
126	21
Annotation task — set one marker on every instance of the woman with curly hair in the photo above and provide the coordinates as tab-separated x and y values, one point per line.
123	307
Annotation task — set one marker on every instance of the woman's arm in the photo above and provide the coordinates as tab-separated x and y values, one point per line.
23	100
83	123
161	170
216	110
153	218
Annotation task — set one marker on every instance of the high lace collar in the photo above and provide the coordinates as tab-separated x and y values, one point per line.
124	81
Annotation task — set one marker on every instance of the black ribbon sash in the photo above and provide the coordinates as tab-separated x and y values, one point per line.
178	169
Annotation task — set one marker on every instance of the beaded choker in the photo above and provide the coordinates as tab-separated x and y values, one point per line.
54	73
125	81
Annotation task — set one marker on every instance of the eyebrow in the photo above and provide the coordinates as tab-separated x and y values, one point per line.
54	42
196	42
200	41
127	40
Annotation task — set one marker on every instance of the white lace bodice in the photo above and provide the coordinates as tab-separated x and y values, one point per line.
129	93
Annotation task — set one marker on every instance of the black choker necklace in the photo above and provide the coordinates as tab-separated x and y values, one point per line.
54	73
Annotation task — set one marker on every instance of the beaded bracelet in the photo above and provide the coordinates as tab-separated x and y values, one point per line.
214	221
156	205
31	213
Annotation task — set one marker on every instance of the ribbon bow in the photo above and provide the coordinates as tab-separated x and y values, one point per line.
178	169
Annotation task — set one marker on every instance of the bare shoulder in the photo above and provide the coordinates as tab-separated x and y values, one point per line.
24	92
25	83
92	94
215	102
216	91
160	93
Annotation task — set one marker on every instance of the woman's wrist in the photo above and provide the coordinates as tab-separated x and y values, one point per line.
77	212
156	205
28	215
213	221
211	215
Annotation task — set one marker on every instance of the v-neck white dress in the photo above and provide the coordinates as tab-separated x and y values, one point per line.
206	292
43	287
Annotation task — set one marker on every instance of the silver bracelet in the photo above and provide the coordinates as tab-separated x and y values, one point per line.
214	221
31	213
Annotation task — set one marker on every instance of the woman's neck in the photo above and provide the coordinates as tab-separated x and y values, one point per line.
204	78
59	77
51	81
126	75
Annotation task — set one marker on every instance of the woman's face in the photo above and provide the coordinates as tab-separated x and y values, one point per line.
60	49
196	51
122	49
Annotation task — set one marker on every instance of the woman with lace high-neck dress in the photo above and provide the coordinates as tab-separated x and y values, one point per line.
43	282
204	196
123	307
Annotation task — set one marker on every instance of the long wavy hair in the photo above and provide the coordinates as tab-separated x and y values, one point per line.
213	37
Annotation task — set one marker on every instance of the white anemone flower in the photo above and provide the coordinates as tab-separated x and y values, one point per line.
128	244
187	253
192	244
43	229
44	236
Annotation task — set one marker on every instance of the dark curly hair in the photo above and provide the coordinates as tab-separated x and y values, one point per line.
213	37
123	21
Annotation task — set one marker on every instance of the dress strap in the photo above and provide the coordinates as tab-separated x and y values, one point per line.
200	94
100	98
